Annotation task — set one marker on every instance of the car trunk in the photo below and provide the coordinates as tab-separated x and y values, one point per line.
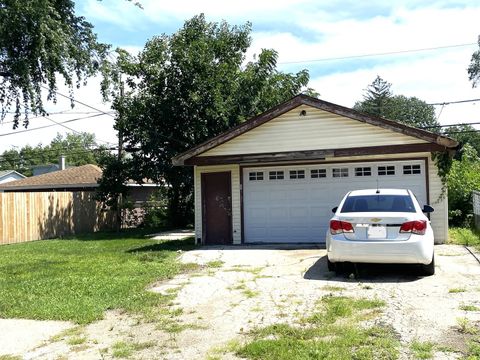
376	227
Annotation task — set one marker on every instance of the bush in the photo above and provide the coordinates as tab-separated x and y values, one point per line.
464	177
155	210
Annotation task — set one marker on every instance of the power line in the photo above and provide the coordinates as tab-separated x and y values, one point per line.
376	54
78	101
453	102
75	131
442	126
47	126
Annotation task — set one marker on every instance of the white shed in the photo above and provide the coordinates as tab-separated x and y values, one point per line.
276	177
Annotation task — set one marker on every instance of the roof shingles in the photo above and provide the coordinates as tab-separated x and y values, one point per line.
81	176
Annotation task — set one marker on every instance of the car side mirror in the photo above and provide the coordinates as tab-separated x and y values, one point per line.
427	209
334	210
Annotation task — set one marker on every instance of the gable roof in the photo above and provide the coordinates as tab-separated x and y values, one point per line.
80	176
439	140
8	172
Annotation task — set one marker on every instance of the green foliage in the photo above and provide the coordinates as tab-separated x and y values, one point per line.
76	147
155	210
80	278
422	350
186	88
464	134
333	333
474	68
464	177
464	236
379	101
112	185
40	40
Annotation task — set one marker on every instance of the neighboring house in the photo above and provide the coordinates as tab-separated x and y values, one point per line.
10	175
276	177
45	169
80	178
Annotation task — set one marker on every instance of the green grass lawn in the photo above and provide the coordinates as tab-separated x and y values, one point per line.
464	236
79	278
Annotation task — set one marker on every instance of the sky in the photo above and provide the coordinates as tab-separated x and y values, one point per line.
333	40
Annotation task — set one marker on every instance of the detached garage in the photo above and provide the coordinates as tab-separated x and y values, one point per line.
276	177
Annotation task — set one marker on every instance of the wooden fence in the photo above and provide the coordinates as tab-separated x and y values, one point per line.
27	216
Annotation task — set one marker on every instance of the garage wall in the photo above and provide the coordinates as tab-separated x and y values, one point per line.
439	218
439	201
236	213
317	130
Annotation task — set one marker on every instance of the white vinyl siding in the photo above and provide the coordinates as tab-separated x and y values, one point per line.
439	201
317	130
236	217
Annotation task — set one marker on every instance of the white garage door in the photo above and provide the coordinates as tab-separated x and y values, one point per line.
292	204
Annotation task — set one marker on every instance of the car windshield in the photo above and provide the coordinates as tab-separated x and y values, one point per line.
378	203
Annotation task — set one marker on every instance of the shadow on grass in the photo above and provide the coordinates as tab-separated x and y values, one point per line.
114	235
367	273
167	245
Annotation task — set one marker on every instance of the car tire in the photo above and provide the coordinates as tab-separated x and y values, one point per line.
429	269
331	266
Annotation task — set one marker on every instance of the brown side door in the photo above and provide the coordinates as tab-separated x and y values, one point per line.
217	208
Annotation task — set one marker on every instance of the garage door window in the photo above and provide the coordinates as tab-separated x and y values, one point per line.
340	172
363	171
255	176
297	174
275	175
318	173
386	170
411	169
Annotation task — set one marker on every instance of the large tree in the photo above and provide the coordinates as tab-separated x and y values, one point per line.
41	41
464	134
79	149
378	100
186	88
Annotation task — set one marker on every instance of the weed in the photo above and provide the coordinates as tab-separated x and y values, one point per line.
254	271
469	307
321	336
466	327
249	293
456	290
463	236
122	349
333	288
10	357
215	264
76	340
73	331
422	350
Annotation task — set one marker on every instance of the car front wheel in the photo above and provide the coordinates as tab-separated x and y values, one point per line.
429	269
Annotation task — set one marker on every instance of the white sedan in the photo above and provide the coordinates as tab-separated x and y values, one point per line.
381	226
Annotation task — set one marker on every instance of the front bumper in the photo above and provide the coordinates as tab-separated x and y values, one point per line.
417	250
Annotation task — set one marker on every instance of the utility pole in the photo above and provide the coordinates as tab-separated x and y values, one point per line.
120	154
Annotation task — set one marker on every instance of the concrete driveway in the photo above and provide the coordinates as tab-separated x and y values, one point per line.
260	286
240	288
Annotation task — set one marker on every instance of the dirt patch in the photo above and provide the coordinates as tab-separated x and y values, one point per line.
19	336
255	287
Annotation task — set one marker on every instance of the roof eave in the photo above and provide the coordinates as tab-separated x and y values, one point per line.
302	99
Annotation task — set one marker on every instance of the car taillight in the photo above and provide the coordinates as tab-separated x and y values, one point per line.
340	227
416	227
